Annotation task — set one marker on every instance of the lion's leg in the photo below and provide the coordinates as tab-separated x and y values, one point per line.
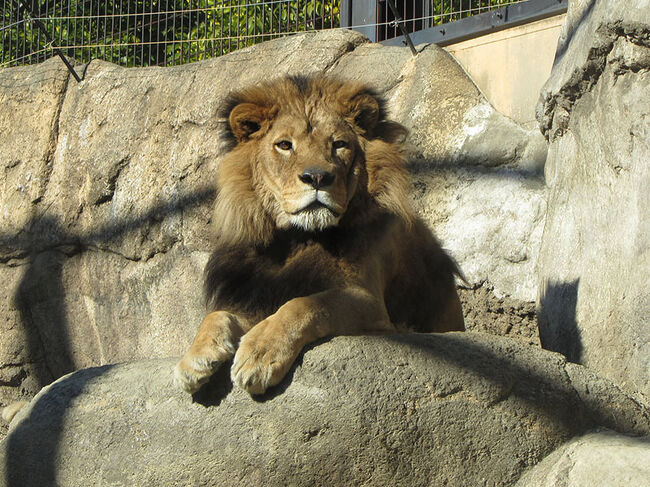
269	349
215	343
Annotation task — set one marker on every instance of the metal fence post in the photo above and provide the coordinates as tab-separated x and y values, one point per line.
23	7
360	15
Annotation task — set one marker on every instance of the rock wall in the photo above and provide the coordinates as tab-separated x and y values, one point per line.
107	190
595	256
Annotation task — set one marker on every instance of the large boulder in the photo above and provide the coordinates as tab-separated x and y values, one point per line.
595	256
597	458
454	409
108	193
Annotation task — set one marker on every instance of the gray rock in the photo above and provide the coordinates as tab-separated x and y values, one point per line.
598	458
31	99
491	221
594	260
454	409
589	32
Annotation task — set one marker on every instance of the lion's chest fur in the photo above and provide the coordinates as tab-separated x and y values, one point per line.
255	282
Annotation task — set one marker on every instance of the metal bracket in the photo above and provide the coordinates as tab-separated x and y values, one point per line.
22	6
399	22
485	23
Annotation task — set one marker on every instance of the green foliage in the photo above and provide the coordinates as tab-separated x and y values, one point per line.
158	32
171	32
452	10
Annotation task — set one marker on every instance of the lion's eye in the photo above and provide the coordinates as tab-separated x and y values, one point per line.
339	144
284	145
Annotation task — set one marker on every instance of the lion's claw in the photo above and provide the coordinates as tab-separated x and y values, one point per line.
189	375
253	375
260	364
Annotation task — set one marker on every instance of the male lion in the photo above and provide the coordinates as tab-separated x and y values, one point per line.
315	234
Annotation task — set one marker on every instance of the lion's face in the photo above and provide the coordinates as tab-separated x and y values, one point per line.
299	157
307	164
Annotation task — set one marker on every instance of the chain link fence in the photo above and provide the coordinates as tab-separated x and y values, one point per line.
418	14
173	32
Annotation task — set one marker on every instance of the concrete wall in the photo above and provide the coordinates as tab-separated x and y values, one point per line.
511	66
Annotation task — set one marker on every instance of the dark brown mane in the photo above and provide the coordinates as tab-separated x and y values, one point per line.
249	244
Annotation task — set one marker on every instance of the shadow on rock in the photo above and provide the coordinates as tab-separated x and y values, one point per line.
40	299
558	328
33	459
216	389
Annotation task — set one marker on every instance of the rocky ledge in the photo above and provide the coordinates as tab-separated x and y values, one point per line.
464	409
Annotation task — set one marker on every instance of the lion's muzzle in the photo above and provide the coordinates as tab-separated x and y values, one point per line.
315	210
316	177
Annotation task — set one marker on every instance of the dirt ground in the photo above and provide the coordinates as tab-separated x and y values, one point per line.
484	312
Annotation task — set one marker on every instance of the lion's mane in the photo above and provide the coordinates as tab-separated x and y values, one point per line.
252	268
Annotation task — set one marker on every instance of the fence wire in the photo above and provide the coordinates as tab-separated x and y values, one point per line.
173	32
423	14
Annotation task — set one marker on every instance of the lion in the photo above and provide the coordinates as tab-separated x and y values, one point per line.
316	237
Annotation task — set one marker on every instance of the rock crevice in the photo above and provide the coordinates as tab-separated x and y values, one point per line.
555	107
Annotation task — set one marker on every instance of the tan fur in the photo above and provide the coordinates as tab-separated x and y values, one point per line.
315	234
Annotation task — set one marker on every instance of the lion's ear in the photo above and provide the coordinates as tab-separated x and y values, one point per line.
248	119
391	132
363	109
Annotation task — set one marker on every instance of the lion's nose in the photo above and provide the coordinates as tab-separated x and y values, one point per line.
317	178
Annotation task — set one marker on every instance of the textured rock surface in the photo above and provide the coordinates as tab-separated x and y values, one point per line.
491	220
30	98
598	458
453	409
107	193
505	316
595	255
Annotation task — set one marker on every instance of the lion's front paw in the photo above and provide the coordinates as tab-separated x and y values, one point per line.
262	360
200	363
